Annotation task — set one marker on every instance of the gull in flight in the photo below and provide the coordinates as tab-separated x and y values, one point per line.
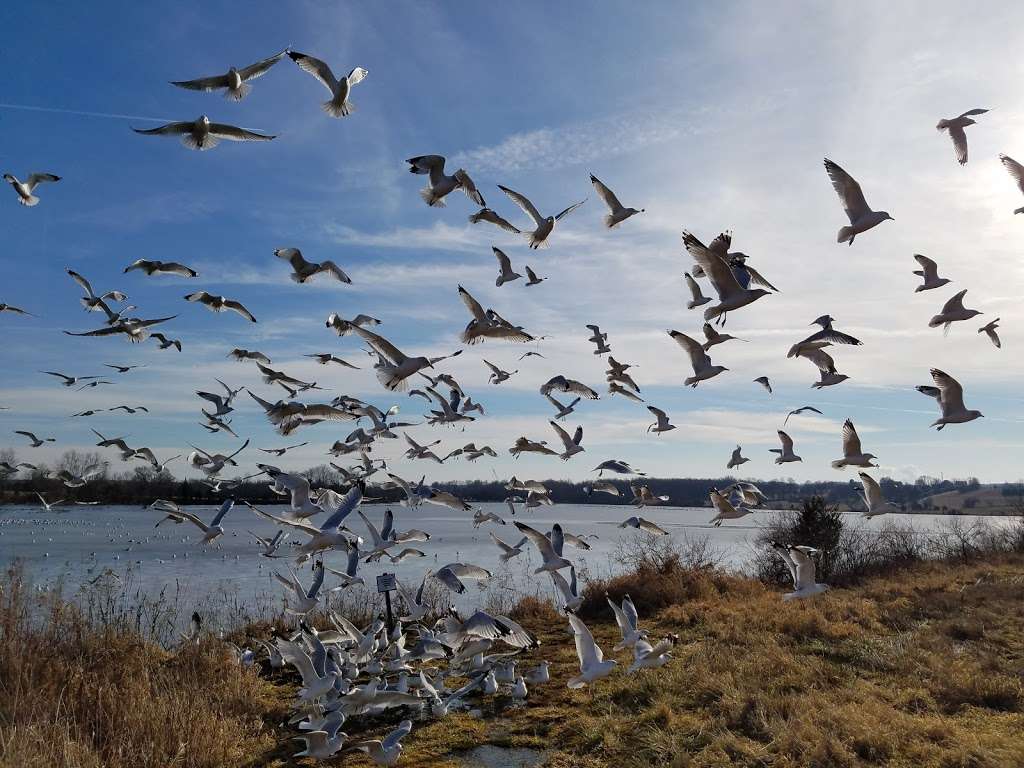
571	444
569	386
616	466
509	551
491	217
212	531
990	331
305	599
950	396
618	213
643	525
569	590
873	499
592	663
543	226
862	218
628	622
325	358
77	481
953	311
929	272
233	81
662	424
245	354
561	410
644	497
506	274
345	327
714	337
601	486
955	126
161	268
69	381
15	310
826	334
164	342
798	411
599	339
441	185
764	382
736	459
201	134
48	506
617	372
489	324
713	262
303	270
725	510
281	451
533	279
91	301
702	367
698	299
647	656
786	451
1015	169
853	455
388	750
338	105
35	441
25	188
220	304
451	575
211	464
497	375
802	569
549	548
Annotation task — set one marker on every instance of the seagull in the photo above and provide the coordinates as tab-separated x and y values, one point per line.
77	481
497	375
25	188
569	590
826	334
1015	169
281	451
548	548
953	311
509	551
736	459
220	304
270	546
164	342
338	105
617	466
348	576
69	381
955	126
533	279
305	600
643	525
628	621
561	410
644	497
662	424
214	530
853	455
543	226
161	268
713	262
91	301
35	441
394	367
802	409
486	214
749	494
506	274
234	80
201	134
950	397
599	339
725	510
592	664
862	218
702	367
123	368
873	499
345	327
245	354
801	568
990	331
441	185
388	750
451	575
325	358
618	213
571	444
14	310
48	506
929	272
488	324
647	656
698	299
764	382
714	337
569	386
303	270
786	451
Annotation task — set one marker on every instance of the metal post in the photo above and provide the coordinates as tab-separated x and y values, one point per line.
391	619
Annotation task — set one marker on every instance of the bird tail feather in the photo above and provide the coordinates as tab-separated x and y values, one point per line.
838	464
427	193
239	94
609	220
845	234
334	109
33	200
1019	210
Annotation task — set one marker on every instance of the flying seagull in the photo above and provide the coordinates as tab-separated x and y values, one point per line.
1015	169
798	411
736	459
220	304
862	218
929	273
201	134
990	331
533	279
764	382
699	360
35	441
15	310
853	454
303	270
618	213
488	215
950	396
233	81
643	525
802	569
873	499
161	268
543	226
714	263
697	299
505	274
953	311
441	185
955	126
786	451
338	105
25	188
662	424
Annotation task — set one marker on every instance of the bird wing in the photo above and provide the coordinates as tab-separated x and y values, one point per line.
586	649
606	194
569	210
959	137
872	491
171	129
524	203
1015	169
951	394
392	739
82	282
757	278
203	83
380	345
787	441
579	388
851	441
348	503
630	612
260	68
931	269
722	278
234	133
466	185
473	306
567	441
804	571
698	357
504	263
542	542
849	191
316	68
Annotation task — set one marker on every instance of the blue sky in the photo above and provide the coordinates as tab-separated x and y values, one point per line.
711	117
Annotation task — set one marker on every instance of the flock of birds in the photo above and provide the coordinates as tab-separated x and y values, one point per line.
350	671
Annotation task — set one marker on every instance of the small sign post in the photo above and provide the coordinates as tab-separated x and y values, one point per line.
386	582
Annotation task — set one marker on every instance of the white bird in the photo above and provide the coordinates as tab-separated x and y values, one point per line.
569	590
539	675
72	480
990	331
786	451
270	546
599	339
948	393
234	80
571	444
303	600
441	185
491	217
201	134
519	689
548	547
592	664
303	270
798	411
1015	169
853	454
615	465
245	354
955	126
714	337
601	486
338	105
929	272
561	410
415	609
320	744
345	327
14	310
618	213
569	386
394	367
628	622
25	188
162	268
497	375
713	262
698	299
736	459
764	382
506	274
802	569
862	218
543	225
35	441
662	424
220	304
699	360
953	311
643	525
507	550
647	656
873	499
214	530
48	506
451	575
724	509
